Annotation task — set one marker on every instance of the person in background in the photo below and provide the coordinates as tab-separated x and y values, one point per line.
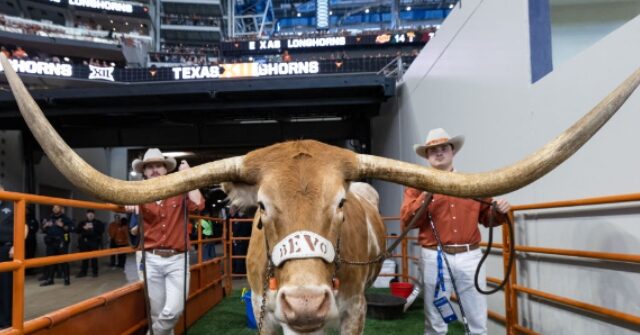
286	57
133	269
4	51
19	53
209	248
31	244
111	230
121	239
57	229
6	254
90	233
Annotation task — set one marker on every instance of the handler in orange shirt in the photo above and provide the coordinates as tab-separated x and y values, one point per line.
164	242
456	220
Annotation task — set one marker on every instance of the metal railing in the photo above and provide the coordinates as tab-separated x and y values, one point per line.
511	290
18	265
396	67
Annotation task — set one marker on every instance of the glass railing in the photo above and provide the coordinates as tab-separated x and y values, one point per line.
32	27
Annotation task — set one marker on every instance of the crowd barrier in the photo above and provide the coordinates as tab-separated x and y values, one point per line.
126	304
513	290
210	278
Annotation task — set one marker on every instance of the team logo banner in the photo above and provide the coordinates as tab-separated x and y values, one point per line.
303	244
242	70
103	73
40	68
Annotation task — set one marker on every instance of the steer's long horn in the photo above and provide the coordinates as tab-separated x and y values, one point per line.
88	179
511	177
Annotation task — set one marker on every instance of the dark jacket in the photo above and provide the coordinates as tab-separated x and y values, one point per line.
33	224
6	229
54	233
92	237
6	222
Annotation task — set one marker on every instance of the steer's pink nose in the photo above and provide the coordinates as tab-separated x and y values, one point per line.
305	309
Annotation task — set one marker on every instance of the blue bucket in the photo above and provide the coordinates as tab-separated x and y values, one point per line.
251	319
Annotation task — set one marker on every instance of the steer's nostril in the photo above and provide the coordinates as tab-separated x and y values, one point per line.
323	310
287	309
305	306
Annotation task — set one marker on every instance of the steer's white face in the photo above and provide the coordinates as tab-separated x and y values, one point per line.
301	213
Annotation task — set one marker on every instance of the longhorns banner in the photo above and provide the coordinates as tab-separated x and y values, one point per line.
241	70
177	73
40	68
303	244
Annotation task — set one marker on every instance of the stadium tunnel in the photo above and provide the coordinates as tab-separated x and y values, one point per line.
207	117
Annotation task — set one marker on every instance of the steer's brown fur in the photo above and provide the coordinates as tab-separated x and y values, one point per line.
300	183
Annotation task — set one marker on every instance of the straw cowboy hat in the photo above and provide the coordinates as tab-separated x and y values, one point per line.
153	155
437	137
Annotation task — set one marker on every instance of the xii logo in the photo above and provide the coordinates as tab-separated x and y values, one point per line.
103	73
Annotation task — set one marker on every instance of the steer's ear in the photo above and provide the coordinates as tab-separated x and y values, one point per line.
366	192
241	195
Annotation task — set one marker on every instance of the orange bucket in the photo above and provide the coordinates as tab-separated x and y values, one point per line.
401	289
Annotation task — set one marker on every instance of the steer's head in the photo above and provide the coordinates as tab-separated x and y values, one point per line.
306	192
301	190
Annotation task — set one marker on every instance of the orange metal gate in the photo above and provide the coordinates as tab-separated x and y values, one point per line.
209	278
512	288
99	313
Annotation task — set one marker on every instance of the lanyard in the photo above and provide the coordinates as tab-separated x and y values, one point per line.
440	278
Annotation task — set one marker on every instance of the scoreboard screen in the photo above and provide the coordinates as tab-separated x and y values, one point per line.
109	6
280	44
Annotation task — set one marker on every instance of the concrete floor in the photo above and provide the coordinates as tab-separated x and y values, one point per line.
42	300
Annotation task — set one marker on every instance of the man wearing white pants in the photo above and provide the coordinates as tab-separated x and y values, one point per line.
164	243
165	280
456	221
463	266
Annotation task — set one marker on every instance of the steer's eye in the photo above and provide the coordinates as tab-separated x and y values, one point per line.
261	205
341	204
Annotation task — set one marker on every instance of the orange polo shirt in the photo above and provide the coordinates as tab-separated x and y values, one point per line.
164	222
456	219
119	233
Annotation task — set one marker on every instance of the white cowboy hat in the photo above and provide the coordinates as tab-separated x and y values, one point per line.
437	137
153	155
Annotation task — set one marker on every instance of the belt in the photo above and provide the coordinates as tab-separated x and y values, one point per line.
164	252
454	249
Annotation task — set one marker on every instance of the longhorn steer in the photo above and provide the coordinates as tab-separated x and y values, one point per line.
300	186
310	215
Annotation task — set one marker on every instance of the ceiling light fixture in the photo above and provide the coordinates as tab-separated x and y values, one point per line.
178	153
